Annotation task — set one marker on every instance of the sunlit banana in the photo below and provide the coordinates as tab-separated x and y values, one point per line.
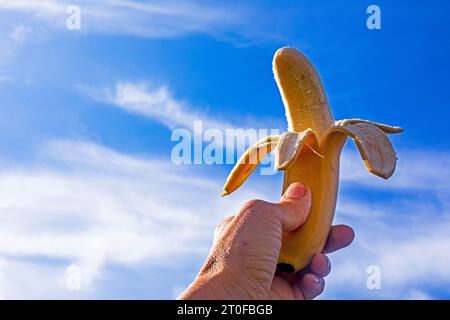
309	152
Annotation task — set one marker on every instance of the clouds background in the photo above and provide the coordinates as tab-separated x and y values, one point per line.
85	127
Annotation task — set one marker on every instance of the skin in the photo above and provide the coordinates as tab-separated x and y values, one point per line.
242	262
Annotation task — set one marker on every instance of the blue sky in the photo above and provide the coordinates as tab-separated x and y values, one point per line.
85	171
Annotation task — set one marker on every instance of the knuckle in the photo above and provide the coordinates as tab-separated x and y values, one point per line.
259	213
255	206
224	222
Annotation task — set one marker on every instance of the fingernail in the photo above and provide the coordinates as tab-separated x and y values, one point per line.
296	190
316	279
328	264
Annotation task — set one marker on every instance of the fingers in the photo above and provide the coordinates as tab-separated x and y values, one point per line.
320	265
294	206
311	285
340	237
310	281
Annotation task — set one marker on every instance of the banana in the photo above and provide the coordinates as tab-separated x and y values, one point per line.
248	162
309	152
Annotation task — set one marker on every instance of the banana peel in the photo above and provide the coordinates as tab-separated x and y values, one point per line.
309	152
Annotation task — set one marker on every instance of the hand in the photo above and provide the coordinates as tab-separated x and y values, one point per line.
242	263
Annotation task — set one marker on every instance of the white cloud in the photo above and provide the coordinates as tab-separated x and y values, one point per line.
150	19
11	40
92	206
418	295
19	34
159	103
412	256
40	6
416	170
5	78
405	229
155	103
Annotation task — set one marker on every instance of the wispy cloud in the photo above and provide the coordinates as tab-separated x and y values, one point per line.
392	230
156	103
4	78
150	19
416	170
11	39
19	34
40	7
92	206
412	255
402	226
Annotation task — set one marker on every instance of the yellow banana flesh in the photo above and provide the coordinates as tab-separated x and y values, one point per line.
304	98
321	175
307	107
310	153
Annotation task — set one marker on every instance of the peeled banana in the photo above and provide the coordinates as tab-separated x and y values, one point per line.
309	152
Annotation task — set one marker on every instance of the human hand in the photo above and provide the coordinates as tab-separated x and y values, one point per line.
242	263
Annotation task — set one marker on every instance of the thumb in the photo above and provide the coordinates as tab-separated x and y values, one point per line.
221	228
294	206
